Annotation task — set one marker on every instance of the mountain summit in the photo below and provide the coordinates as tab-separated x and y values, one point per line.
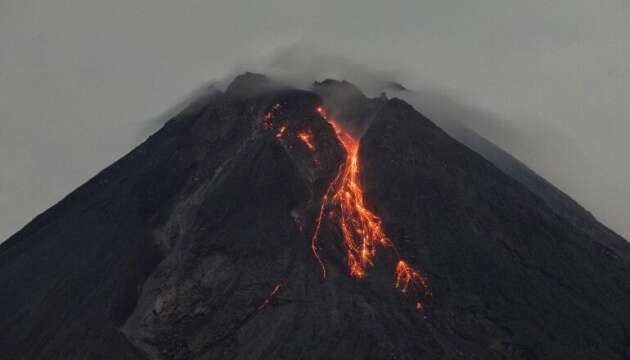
274	223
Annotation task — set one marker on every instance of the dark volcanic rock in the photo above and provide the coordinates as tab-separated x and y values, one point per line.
197	245
509	275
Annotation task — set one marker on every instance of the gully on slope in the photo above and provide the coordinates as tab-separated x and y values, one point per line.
343	203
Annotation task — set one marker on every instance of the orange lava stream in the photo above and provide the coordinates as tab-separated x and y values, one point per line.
407	278
361	229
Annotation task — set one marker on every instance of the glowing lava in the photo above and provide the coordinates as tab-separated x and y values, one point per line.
307	139
343	202
268	119
409	279
281	132
361	229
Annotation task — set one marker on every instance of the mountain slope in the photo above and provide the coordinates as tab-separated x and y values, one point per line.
199	245
459	121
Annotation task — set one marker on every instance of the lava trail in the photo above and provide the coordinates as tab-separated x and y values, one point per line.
343	203
361	229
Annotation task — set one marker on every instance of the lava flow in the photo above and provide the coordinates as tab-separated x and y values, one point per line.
344	203
407	278
361	229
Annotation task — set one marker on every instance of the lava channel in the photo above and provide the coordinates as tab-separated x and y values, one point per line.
344	203
361	229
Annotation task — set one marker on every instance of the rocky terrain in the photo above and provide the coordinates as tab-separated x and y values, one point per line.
199	244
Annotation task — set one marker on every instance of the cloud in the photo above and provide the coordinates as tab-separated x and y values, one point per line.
80	80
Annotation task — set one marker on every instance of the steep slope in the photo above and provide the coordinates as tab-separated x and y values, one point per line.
459	121
507	272
558	201
199	244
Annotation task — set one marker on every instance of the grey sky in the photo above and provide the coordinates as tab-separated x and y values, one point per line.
81	80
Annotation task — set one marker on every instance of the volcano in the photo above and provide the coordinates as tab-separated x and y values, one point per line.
267	222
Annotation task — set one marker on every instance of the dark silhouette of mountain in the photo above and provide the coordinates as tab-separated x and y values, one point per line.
199	244
351	105
458	120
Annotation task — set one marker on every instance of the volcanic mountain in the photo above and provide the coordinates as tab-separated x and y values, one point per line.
266	222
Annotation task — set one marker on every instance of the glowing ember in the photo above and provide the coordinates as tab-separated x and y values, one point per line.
268	118
307	139
407	278
281	132
273	293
